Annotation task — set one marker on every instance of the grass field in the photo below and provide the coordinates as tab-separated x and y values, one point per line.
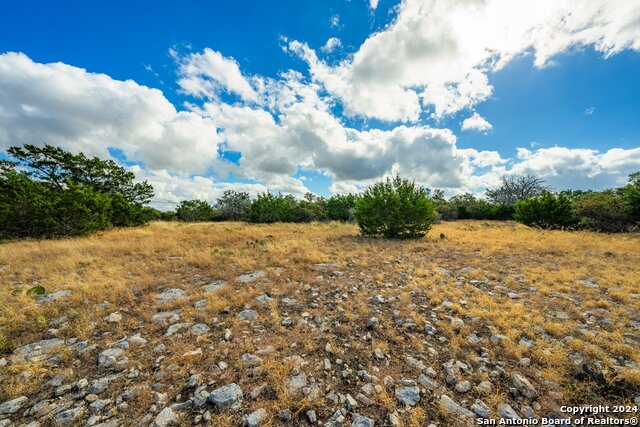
561	309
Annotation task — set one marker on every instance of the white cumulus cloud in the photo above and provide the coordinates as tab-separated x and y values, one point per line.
476	123
435	56
69	107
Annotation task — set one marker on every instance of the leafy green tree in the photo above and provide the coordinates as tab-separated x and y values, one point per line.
547	211
268	208
607	211
59	193
311	208
395	208
31	208
632	195
233	206
195	211
341	207
59	168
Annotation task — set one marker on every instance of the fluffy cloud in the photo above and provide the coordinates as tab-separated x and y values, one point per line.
476	123
307	137
578	168
208	73
81	111
373	4
332	44
436	55
170	188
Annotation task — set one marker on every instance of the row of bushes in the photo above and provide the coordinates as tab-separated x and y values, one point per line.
268	208
614	210
398	207
48	192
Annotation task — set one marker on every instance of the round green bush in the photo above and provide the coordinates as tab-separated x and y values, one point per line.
547	211
395	208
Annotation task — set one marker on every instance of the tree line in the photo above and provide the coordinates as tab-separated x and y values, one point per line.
46	192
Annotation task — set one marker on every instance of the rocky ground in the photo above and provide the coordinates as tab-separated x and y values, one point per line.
233	324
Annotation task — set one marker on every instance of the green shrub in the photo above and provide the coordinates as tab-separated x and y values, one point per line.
79	210
233	206
547	211
194	211
607	211
342	208
48	192
268	208
30	208
311	208
395	208
467	206
631	193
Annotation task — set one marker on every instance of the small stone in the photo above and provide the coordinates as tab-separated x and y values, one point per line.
110	357
327	365
69	417
415	363
311	416
252	276
54	296
484	387
463	386
351	402
506	411
113	317
473	339
137	340
98	386
296	383
378	354
263	299
251	360
171	294
394	419
199	329
373	322
481	409
452	372
165	318
388	381
248	314
165	418
258	390
408	395
524	386
226	397
450	406
285	415
37	351
214	286
193	381
99	405
457	324
175	328
257	417
227	334
361	421
13	406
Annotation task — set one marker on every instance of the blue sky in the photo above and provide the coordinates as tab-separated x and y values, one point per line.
392	96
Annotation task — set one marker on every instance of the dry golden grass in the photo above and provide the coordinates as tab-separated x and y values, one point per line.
484	261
